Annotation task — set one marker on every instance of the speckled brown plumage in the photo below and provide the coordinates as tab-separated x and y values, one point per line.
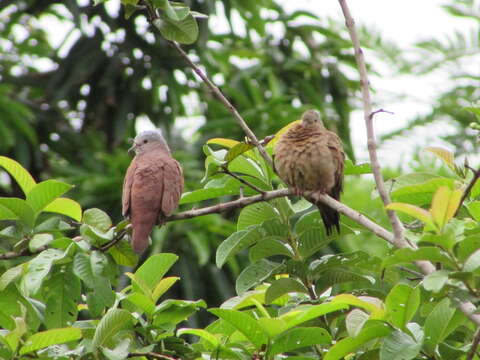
152	186
309	157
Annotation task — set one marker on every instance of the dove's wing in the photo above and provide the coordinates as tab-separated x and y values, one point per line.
338	156
173	186
127	188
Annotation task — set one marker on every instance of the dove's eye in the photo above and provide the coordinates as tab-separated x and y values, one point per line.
145	141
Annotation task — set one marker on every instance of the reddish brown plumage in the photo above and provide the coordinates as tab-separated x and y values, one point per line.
308	157
152	186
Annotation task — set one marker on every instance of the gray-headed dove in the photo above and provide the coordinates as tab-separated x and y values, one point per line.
152	186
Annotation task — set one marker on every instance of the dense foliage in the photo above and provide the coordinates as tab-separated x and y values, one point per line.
268	284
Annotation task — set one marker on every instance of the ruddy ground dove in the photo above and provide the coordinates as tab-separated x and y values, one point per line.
152	186
309	157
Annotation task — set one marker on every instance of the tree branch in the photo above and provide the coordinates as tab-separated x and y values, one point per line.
471	184
153	17
368	116
398	239
151	355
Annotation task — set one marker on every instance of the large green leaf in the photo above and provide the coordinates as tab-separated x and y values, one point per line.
345	346
67	207
401	304
283	286
237	242
441	321
43	339
269	246
184	31
255	214
45	192
19	173
114	321
38	268
153	269
14	208
299	338
255	273
245	324
399	346
97	218
170	312
63	297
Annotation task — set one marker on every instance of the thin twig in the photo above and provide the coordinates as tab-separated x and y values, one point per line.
473	349
119	236
368	116
25	252
242	180
153	17
471	184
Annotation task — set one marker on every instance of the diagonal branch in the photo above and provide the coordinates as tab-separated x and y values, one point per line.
368	116
399	241
153	17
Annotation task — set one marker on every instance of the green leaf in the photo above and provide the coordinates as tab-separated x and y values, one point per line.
175	13
401	304
441	321
474	210
245	324
163	286
399	346
235	243
114	321
412	210
406	255
171	312
269	246
299	338
283	286
90	269
123	254
349	344
255	273
435	281
376	311
255	214
445	203
184	31
45	192
312	240
19	173
11	275
62	299
153	269
205	335
38	241
14	208
44	339
473	262
356	169
97	218
65	206
418	188
238	150
443	154
306	313
142	301
38	268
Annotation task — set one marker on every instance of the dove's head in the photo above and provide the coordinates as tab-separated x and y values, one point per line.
311	117
147	141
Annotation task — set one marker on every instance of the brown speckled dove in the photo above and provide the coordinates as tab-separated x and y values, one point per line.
308	157
152	186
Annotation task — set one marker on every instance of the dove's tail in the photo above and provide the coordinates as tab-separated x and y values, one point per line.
330	217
